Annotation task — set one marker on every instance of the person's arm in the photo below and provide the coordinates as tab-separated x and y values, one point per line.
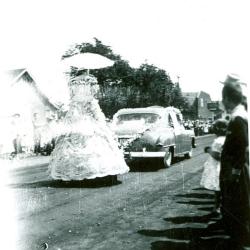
207	149
216	155
240	132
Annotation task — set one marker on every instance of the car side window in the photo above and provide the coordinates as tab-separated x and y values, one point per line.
179	120
170	121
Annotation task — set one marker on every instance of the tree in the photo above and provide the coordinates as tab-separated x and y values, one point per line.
155	85
177	100
122	86
97	48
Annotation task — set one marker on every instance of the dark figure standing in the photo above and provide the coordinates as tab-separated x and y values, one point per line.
37	133
17	134
234	175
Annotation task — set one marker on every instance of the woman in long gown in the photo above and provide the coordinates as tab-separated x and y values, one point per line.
86	148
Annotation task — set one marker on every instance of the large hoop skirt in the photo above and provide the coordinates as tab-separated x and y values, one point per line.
86	149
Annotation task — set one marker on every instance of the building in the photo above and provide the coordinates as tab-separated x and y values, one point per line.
198	102
24	96
20	96
217	108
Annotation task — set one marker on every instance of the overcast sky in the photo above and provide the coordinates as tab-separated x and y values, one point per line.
198	40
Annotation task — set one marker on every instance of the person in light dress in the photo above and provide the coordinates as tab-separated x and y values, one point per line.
85	146
211	172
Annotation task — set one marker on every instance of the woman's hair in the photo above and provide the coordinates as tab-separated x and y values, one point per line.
84	79
220	127
233	92
83	87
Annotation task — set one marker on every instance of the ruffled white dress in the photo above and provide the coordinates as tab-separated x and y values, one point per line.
211	172
86	149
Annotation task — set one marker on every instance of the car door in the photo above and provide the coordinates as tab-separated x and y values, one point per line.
178	131
186	141
168	128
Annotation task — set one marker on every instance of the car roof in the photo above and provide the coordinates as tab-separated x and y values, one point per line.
152	109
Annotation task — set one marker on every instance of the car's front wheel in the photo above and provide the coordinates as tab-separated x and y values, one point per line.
189	154
168	158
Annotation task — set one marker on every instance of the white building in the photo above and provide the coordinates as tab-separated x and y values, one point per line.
19	94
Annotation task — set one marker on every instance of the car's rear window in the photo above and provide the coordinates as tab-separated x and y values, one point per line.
147	118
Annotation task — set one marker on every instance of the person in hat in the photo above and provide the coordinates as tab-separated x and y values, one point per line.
234	174
234	79
85	148
210	176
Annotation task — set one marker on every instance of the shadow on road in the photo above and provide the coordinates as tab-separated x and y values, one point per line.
99	182
212	244
207	209
199	189
198	232
196	202
191	219
179	159
197	195
189	238
203	238
150	165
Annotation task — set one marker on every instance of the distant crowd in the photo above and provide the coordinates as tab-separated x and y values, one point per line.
36	138
200	127
27	137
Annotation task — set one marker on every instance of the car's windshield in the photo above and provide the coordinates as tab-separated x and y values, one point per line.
146	118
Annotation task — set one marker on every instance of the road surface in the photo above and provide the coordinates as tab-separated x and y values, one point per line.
148	208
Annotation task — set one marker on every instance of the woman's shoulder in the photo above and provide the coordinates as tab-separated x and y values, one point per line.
218	143
220	139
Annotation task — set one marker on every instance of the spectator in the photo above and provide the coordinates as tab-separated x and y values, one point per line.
205	129
37	127
47	137
234	175
196	128
17	133
210	176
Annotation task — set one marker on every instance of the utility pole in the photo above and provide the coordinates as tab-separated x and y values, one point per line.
178	79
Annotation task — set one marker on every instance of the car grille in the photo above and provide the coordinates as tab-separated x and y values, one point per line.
135	146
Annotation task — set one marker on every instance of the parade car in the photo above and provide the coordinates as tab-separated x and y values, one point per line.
153	132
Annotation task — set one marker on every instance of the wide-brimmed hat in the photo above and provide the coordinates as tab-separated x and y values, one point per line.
233	78
235	82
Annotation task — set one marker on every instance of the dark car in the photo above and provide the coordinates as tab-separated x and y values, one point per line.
153	132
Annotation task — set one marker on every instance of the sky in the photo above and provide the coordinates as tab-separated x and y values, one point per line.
198	40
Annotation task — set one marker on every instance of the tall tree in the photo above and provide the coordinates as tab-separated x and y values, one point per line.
125	87
177	100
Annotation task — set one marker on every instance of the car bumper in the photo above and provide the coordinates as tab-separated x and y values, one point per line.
131	155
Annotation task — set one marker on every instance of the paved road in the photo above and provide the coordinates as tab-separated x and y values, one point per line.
149	208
